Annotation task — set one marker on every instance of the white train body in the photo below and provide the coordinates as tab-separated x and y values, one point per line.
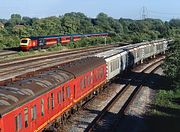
121	58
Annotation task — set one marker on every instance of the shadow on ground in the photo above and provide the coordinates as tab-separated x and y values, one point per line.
169	121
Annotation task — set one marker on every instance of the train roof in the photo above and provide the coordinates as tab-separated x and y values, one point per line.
18	93
109	53
118	50
115	51
79	67
59	36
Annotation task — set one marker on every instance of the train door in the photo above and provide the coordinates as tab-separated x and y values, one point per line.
42	111
74	91
67	94
63	97
41	42
33	116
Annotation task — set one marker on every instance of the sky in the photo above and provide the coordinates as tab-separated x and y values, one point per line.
162	9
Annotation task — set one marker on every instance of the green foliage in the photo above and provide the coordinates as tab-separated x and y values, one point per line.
126	30
164	115
55	47
21	53
172	63
84	42
164	97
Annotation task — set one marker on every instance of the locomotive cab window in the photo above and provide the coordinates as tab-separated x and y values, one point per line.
23	41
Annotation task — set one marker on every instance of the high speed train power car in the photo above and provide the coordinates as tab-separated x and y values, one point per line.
45	100
32	42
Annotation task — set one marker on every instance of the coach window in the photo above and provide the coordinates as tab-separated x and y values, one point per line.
52	100
48	103
18	120
33	112
68	92
89	79
26	117
59	97
82	85
32	117
42	107
85	83
96	76
63	94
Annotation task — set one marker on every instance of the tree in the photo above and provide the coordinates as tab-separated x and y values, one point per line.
172	63
70	23
27	21
126	30
15	19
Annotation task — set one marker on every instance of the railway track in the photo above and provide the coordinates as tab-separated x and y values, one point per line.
49	55
105	120
5	53
18	69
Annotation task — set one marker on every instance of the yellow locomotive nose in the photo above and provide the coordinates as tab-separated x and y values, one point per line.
24	42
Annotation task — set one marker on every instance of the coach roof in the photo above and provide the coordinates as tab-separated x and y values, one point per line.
79	67
18	93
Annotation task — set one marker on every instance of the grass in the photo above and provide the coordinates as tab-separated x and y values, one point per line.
32	53
165	112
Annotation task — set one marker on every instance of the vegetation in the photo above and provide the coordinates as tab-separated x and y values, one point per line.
74	23
172	63
165	114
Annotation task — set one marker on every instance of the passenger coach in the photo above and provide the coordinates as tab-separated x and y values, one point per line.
35	103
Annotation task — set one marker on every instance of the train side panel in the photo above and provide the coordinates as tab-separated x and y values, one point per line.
113	66
89	81
38	113
51	41
65	40
76	38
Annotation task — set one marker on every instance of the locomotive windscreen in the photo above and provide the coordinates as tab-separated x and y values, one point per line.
23	41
